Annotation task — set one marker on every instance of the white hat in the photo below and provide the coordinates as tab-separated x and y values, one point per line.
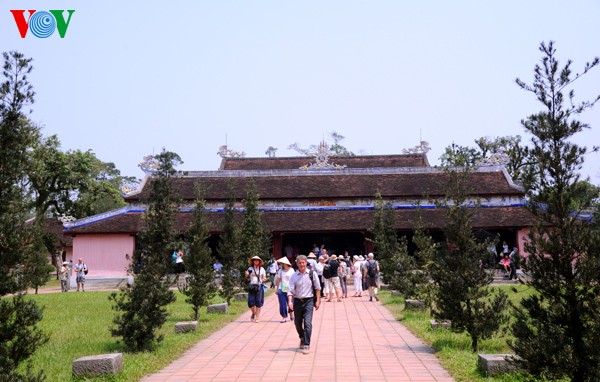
361	258
65	263
284	260
341	257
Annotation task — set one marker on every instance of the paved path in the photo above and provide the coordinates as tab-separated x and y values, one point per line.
341	350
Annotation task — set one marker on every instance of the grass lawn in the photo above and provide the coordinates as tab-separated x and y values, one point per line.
78	325
454	349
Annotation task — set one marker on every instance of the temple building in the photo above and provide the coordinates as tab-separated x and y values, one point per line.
306	201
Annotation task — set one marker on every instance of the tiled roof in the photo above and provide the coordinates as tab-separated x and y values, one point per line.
322	220
293	163
346	184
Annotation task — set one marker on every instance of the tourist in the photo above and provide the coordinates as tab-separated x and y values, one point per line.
319	270
273	267
256	296
283	284
372	272
343	273
312	262
333	282
316	250
63	276
179	267
357	274
300	299
505	263
81	270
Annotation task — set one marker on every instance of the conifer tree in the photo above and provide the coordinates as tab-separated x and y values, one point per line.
254	237
396	265
228	250
425	254
19	336
143	305
462	293
200	285
557	330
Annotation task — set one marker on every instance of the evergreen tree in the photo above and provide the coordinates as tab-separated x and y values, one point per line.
556	329
425	254
462	293
200	285
36	265
228	250
396	265
255	239
19	337
143	305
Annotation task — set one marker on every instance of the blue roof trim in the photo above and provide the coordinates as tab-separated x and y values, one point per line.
126	210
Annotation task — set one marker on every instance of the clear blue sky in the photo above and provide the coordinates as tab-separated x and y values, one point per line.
132	77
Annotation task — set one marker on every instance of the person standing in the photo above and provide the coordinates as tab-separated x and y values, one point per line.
283	285
312	263
257	275
304	286
333	282
63	276
357	274
343	273
372	272
81	270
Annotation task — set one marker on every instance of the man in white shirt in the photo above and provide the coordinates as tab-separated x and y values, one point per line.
300	299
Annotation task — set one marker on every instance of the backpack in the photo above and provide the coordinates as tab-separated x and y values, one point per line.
372	268
327	271
85	269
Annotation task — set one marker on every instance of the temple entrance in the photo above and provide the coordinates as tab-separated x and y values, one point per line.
335	242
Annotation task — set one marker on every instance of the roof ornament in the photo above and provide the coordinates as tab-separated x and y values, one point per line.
499	158
423	148
65	218
225	152
149	165
322	160
128	187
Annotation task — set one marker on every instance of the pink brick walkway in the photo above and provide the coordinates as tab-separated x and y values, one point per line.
342	349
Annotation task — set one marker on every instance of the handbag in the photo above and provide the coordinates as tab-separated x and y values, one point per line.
253	288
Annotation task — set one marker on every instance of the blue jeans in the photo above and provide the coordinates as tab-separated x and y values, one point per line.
303	312
283	309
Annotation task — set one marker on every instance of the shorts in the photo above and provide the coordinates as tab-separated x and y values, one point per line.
371	282
80	279
256	299
334	283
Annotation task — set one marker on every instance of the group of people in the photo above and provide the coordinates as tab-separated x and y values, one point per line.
301	286
64	275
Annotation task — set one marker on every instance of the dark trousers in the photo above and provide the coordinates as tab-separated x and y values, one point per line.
283	308
303	312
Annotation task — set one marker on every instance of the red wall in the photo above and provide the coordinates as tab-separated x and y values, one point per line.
104	254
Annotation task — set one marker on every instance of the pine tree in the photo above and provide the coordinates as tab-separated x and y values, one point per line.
228	250
19	336
462	293
143	305
254	237
396	265
557	330
425	254
200	285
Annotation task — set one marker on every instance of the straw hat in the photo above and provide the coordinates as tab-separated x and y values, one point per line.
284	260
311	256
250	261
334	257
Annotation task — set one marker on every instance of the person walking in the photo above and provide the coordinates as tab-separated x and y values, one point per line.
303	298
81	270
257	275
372	271
357	274
283	284
273	268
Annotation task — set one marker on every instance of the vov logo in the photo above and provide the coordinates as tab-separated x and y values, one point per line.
42	24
